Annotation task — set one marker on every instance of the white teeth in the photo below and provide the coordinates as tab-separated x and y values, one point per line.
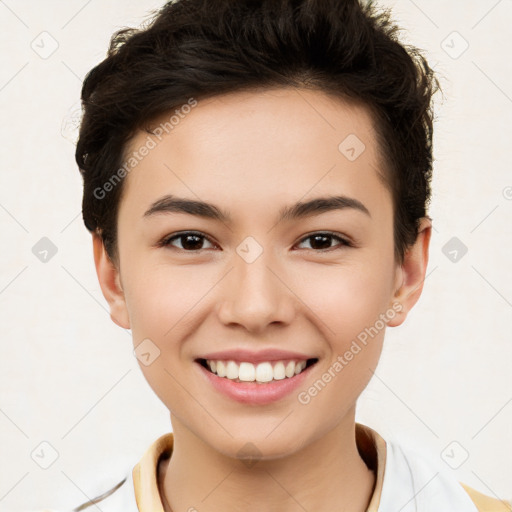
246	372
221	369
279	372
299	367
262	372
290	369
232	370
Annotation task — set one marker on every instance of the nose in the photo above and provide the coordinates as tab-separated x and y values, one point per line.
255	295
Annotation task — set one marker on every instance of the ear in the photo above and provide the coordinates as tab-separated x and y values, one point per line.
110	283
411	273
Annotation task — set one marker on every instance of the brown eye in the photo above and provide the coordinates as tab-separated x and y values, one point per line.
323	241
188	241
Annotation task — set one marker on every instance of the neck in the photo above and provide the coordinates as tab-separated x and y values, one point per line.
328	474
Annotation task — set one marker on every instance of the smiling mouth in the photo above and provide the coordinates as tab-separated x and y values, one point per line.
270	371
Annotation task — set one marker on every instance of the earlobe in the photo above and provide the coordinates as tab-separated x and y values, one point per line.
412	273
110	283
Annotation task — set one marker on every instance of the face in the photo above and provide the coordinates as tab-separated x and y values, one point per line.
293	253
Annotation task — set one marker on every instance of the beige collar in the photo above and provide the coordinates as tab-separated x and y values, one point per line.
370	444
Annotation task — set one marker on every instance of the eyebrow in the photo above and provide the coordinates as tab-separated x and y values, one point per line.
173	204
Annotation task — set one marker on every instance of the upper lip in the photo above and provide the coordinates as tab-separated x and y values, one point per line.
255	357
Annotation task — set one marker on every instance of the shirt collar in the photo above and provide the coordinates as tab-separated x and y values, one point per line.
370	444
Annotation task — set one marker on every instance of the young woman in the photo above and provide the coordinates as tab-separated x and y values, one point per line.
256	180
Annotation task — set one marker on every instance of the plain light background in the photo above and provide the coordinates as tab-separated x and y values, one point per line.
69	379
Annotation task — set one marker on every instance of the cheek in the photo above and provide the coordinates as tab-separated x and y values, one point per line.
347	299
161	296
162	302
350	305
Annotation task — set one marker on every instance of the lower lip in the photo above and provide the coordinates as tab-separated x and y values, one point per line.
252	392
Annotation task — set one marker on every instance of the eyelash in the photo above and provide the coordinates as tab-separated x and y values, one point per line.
166	242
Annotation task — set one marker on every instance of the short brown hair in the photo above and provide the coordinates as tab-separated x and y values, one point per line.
202	48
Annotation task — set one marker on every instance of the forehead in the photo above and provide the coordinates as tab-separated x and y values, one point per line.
249	147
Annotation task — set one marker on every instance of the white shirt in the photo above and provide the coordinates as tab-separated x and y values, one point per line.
405	482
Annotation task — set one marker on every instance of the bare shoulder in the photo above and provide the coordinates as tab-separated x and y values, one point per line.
486	503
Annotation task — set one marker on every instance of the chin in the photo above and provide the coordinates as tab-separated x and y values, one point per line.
251	448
